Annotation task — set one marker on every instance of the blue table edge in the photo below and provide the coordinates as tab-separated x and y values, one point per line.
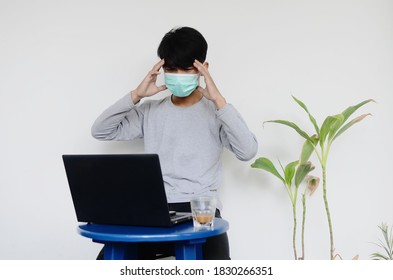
119	233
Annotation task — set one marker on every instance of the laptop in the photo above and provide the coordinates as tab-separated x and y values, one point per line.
119	189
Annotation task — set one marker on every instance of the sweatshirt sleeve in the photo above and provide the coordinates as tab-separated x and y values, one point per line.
121	121
235	134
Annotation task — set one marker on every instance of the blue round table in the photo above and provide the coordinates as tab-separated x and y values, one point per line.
121	241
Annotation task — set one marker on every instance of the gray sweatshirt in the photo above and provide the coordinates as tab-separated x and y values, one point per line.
188	140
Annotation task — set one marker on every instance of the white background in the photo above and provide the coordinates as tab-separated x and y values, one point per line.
63	62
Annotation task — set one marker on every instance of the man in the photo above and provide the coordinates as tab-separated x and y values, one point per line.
187	129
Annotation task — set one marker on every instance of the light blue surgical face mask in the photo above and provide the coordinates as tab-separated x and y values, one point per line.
181	85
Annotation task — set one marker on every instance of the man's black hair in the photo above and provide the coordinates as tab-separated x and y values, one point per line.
181	46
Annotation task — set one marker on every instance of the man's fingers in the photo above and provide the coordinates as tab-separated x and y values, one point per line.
156	69
158	65
200	89
161	88
199	66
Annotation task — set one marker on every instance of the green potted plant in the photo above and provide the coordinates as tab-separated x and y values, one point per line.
321	142
386	244
294	174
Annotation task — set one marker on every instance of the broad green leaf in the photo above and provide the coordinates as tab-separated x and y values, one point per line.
267	165
289	171
350	110
294	126
335	126
330	121
308	148
325	129
312	119
302	171
346	114
349	124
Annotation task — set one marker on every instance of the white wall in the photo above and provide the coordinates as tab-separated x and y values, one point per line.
63	62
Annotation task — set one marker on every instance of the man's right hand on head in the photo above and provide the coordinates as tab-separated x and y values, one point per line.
148	86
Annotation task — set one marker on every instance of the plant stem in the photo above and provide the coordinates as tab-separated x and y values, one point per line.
294	229
328	212
303	223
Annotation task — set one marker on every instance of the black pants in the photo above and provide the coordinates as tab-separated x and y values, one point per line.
215	248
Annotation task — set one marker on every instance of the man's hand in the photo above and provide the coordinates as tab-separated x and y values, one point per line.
148	86
211	91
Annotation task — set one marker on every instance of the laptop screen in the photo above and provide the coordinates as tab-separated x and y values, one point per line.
118	189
